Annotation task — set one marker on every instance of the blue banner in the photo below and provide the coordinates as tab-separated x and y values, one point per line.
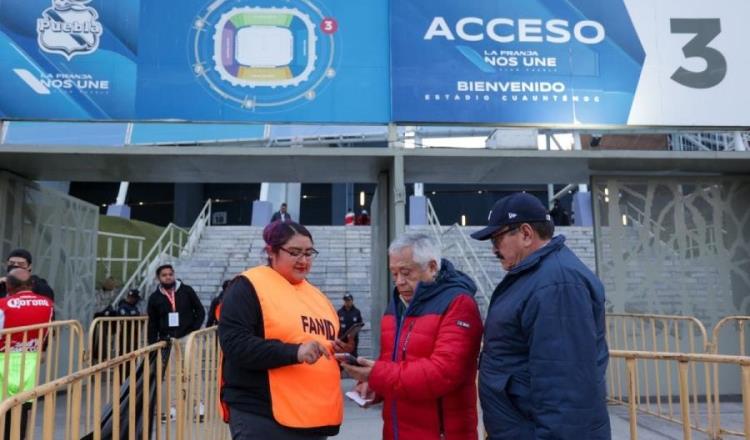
574	62
196	60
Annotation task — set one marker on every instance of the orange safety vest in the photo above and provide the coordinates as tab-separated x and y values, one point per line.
302	395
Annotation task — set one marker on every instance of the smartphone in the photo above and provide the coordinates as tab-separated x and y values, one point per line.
347	358
352	331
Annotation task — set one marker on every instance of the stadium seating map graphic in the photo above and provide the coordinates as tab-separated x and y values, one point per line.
264	56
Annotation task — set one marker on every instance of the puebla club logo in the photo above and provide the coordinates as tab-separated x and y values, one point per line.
69	28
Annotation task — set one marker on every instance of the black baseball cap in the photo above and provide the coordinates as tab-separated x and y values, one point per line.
514	209
348	297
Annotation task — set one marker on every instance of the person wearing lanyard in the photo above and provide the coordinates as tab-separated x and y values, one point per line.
174	309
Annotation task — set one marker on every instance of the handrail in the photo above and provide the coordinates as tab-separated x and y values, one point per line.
434	222
77	376
689	319
741	321
681	357
472	262
116	235
470	259
689	416
108	259
196	231
165	243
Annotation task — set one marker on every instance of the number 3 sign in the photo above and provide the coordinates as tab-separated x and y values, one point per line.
697	62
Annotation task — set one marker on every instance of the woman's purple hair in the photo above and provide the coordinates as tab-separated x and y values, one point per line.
278	233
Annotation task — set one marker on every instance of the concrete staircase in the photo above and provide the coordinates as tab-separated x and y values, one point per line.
579	239
343	265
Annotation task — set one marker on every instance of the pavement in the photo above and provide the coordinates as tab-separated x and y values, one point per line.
366	424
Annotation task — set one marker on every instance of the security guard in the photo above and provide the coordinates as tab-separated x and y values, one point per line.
348	316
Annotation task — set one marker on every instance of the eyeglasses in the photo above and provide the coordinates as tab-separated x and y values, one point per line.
497	238
299	253
22	264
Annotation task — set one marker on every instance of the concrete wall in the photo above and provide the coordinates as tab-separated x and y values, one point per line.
60	232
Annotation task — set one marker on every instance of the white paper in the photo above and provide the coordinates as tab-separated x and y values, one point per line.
353	395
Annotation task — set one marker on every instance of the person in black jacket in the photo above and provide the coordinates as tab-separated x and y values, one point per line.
212	318
348	316
129	305
249	358
21	258
174	309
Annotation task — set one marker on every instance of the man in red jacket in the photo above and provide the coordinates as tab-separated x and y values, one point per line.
21	307
430	336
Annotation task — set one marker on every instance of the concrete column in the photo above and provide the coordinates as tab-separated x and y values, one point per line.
188	201
582	209
120	209
273	195
417	210
339	202
398	191
380	285
3	130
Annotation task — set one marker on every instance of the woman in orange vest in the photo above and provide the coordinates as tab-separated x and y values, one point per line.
277	332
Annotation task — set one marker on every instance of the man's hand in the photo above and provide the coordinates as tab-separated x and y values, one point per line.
311	351
340	346
2	280
359	373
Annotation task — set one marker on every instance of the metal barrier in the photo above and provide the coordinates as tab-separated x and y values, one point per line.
690	416
132	254
52	350
655	382
152	392
110	337
741	326
663	333
201	383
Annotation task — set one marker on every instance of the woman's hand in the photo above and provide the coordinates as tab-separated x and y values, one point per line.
359	372
340	346
311	351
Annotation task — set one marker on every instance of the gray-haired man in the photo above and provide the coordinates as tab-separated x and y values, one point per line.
430	337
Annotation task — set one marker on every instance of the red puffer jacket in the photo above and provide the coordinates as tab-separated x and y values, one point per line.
427	368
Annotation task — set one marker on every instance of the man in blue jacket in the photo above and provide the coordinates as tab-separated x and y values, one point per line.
543	363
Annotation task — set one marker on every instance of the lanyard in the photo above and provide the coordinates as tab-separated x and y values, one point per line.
171	297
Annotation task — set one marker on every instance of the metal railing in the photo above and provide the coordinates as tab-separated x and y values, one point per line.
173	243
201	369
111	337
709	141
138	382
199	226
52	350
654	384
741	327
132	254
454	238
682	409
658	333
434	222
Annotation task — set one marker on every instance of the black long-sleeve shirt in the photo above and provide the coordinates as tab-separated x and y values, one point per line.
248	355
188	307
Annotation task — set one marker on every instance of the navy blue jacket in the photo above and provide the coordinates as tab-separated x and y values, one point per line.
543	363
